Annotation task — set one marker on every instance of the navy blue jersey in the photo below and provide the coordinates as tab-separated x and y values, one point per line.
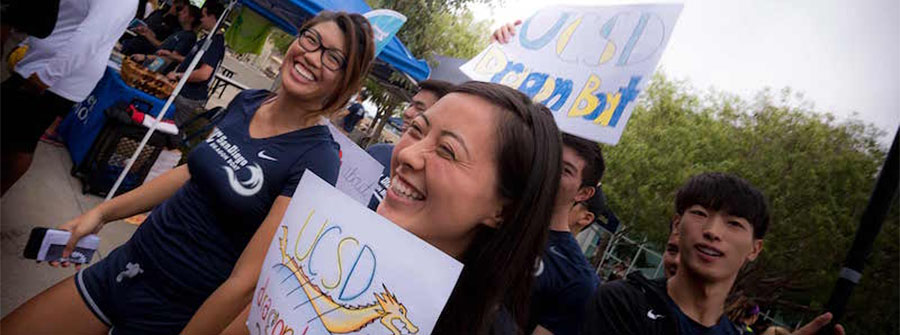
212	57
565	283
180	42
382	153
357	112
196	236
687	326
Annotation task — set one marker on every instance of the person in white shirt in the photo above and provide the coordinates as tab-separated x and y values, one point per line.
57	72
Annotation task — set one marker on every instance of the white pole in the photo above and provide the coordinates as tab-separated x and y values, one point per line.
156	120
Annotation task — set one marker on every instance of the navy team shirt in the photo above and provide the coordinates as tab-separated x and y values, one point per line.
195	237
687	326
564	284
181	42
382	153
212	57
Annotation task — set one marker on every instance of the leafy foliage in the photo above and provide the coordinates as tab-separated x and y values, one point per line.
816	171
281	40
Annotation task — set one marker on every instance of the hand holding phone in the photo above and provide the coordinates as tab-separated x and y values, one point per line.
47	244
85	224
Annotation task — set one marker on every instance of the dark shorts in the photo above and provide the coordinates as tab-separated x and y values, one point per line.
129	295
25	115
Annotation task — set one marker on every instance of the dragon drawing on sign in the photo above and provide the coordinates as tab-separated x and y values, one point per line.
342	319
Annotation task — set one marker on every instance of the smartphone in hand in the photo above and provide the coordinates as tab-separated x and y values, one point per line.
47	244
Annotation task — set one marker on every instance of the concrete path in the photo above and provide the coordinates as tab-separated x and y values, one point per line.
46	196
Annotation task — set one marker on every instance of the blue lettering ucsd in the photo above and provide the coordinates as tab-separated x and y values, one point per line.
361	274
602	108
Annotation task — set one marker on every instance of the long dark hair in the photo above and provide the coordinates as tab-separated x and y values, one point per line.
499	264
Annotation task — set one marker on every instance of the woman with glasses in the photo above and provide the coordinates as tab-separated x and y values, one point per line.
233	192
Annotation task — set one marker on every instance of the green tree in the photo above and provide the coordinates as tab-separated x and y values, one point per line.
816	171
432	28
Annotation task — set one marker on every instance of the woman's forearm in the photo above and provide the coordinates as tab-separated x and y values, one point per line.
221	308
146	196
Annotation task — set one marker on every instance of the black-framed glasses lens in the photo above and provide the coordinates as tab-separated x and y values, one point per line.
310	41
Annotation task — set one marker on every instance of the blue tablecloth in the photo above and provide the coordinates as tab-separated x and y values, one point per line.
82	125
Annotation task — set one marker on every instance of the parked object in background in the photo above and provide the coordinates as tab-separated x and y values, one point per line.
116	142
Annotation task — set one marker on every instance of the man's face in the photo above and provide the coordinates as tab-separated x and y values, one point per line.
670	256
184	16
417	105
207	21
570	190
713	245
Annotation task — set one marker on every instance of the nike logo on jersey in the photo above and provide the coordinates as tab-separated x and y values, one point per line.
262	154
247	187
539	267
654	316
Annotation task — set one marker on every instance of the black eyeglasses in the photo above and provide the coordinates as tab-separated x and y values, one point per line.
311	41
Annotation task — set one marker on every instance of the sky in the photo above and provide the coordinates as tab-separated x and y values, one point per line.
844	56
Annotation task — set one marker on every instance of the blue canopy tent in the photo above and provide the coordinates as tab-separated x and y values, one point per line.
288	14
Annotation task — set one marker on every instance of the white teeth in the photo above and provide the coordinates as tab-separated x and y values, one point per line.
407	192
303	73
709	251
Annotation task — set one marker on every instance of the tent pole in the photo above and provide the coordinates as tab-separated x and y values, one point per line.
869	226
130	162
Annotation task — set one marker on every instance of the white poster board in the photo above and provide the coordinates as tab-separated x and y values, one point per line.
587	64
359	172
335	267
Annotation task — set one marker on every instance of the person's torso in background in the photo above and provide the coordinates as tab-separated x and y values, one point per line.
382	153
212	57
564	284
80	81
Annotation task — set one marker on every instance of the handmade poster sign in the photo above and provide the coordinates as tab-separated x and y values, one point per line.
587	64
359	172
335	267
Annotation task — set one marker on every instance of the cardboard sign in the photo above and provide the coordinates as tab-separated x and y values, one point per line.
335	267
359	172
587	64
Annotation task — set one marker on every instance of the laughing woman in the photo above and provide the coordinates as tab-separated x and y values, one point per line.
233	192
475	176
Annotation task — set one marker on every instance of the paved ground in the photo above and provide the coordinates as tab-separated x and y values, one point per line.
46	196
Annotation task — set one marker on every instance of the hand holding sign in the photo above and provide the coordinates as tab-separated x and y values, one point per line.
506	32
555	59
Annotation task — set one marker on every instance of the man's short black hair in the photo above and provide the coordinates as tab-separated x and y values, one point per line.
440	88
195	13
592	156
214	8
729	193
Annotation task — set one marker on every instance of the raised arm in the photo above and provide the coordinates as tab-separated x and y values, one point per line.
234	295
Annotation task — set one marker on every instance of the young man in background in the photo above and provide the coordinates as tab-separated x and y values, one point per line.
565	279
720	222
